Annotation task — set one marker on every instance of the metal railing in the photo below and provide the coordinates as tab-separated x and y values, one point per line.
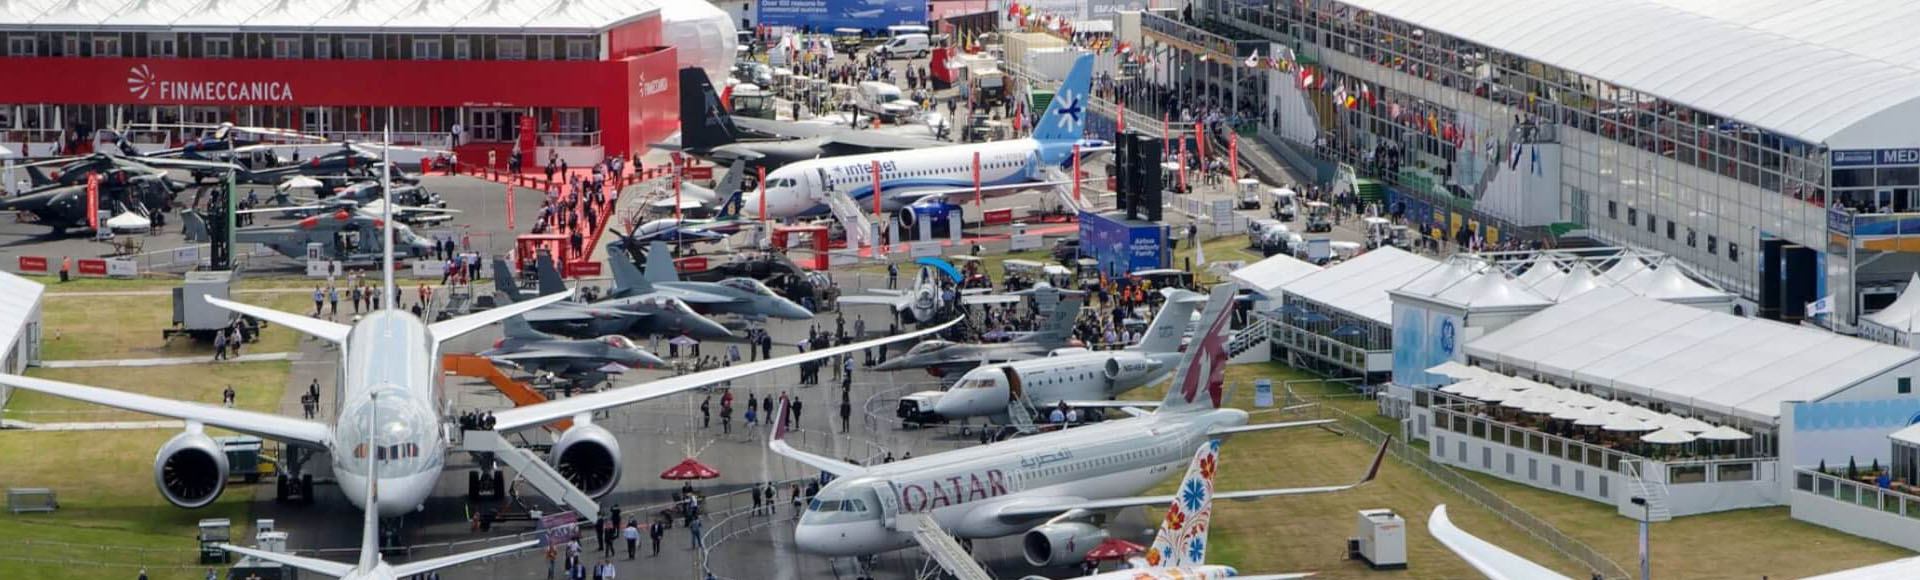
1460	484
578	139
1861	494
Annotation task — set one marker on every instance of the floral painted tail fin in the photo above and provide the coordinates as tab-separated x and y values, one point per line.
1182	540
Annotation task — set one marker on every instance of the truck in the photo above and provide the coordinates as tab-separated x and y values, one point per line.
195	318
916	410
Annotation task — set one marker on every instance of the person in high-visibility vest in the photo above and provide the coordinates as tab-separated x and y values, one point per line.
66	263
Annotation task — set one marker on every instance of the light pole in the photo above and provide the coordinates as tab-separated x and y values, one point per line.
1646	515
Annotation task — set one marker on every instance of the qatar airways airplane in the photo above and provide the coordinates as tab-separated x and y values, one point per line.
1048	487
932	174
391	409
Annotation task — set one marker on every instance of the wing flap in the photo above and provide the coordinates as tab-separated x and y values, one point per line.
275	427
329	331
315	565
431	564
453	327
1020	512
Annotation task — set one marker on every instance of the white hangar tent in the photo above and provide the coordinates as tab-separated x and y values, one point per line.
1268	276
1734	369
1340	319
19	325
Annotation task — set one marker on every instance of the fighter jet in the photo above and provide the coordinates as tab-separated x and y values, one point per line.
940	357
348	236
651	315
709	132
922	303
722	200
585	361
746	297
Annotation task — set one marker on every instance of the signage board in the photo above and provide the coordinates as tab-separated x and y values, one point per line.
830	14
1263	392
93	267
188	255
1024	242
924	249
33	264
122	268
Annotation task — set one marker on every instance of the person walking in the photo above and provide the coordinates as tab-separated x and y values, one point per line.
333	301
632	535
757	503
693	530
553	553
795	419
766	409
318	297
227	397
706	412
846	414
220	344
654	531
610	534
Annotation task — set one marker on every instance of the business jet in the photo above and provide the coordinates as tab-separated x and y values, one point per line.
940	356
1046	487
933	174
391	409
1078	376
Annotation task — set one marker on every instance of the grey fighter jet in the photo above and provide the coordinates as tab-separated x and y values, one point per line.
940	357
658	316
583	361
746	297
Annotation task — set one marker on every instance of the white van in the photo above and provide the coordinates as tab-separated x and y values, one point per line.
914	45
883	100
904	29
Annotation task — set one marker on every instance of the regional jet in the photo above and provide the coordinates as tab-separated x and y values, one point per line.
1046	487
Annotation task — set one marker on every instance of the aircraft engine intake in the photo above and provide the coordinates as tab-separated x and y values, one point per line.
1060	544
190	470
589	457
1118	369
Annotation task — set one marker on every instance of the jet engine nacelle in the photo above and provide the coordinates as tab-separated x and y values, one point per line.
1060	544
191	470
589	457
1120	369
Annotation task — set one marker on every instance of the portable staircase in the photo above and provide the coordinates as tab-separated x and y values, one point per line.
531	468
859	228
941	546
466	365
1249	344
1020	415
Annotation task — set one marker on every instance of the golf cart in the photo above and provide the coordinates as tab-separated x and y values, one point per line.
1378	231
1283	200
1249	194
1319	217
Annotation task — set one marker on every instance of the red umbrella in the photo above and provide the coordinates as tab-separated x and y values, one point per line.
1114	549
689	468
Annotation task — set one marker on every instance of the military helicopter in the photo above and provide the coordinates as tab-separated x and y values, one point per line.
352	237
413	204
59	199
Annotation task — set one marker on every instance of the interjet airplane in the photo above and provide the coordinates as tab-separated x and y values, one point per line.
933	174
1048	487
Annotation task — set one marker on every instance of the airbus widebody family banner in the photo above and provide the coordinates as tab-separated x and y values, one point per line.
826	15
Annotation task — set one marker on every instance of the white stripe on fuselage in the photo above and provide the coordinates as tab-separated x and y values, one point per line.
948	167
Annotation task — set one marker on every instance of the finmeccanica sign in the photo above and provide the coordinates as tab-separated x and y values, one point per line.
142	83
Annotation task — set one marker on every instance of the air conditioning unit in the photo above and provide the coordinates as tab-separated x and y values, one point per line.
1381	539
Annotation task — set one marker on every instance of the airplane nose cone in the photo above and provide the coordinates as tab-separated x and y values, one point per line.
640	358
791	311
707	328
895	364
960	405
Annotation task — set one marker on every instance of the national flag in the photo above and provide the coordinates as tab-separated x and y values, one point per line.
1306	77
1340	95
1253	60
1013	10
1821	306
1366	92
1513	158
509	207
1393	111
93	200
1534	151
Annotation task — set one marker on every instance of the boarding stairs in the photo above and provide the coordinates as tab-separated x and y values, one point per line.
1021	414
531	468
859	228
520	393
1655	493
941	546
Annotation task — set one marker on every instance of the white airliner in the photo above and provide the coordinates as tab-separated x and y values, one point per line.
1076	375
1048	486
391	375
935	173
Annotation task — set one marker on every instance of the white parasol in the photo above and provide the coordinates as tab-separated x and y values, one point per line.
1668	436
1570	413
1694	425
1625	424
1725	433
1592	418
1542	405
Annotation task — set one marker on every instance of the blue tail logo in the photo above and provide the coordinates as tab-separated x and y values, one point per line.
1066	119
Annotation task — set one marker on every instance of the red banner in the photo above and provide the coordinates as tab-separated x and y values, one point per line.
1233	155
581	268
997	217
691	264
1076	171
977	200
93	200
763	192
509	207
33	264
93	267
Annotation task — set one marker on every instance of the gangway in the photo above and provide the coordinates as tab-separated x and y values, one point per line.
519	392
859	228
531	468
941	546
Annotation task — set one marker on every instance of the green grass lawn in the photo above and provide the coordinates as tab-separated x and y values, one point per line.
114	327
155	282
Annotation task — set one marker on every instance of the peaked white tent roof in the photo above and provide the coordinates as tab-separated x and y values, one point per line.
1747	60
1904	314
1270	275
1685	356
1359	286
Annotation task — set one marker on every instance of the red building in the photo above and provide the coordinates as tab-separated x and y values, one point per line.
583	79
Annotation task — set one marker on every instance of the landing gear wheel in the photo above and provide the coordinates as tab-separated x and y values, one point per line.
500	482
306	489
473	485
280	488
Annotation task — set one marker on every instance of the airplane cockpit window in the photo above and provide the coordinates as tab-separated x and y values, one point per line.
395	429
928	347
976	384
748	285
617	341
841	506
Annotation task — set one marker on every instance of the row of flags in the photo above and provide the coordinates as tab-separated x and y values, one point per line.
1360	93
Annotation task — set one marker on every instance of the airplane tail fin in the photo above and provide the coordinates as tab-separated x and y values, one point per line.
729	192
1058	328
1066	118
1163	334
446	330
503	282
660	267
37	178
704	124
550	280
1204	365
517	327
1182	539
626	276
194	227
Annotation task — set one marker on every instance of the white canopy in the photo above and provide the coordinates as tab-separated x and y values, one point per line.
1685	356
1904	314
1459	371
1270	275
1359	286
1668	436
1725	433
1625	424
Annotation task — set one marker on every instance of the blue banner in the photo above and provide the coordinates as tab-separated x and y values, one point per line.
826	15
1861	157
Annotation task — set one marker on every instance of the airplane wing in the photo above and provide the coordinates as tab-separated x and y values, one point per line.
330	331
456	326
1218	431
1105	404
578	314
1493	561
1021	511
897	302
989	299
525	355
531	415
431	564
265	425
881	141
778	443
912	196
690	296
315	565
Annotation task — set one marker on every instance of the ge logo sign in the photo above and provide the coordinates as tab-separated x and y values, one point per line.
1446	336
